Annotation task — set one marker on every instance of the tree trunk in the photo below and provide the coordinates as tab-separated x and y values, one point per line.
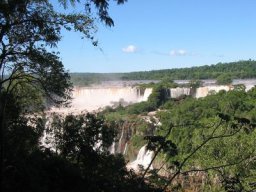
2	135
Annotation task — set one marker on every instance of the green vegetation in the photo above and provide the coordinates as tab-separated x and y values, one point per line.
32	75
224	79
78	161
212	137
216	135
195	83
239	69
155	100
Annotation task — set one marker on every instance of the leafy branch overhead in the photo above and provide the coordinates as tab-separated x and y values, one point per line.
29	34
102	7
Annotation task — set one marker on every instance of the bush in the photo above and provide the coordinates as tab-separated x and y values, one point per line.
224	79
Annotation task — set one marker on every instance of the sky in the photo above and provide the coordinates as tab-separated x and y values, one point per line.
165	34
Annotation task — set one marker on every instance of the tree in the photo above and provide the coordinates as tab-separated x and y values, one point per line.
29	34
83	141
81	162
224	79
213	136
195	83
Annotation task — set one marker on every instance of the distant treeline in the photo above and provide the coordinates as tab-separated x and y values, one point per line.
236	70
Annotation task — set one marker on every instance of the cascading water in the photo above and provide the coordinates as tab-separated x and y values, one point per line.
179	91
121	145
111	94
121	142
201	92
125	148
204	91
113	148
94	98
146	94
143	159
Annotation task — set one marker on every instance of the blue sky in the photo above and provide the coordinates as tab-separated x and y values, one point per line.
164	34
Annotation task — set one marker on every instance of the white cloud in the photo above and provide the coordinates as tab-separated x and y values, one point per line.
180	52
130	49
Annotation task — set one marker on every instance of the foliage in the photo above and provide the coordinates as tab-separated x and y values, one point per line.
77	161
140	108
196	135
90	134
224	79
28	30
29	33
158	96
239	69
195	83
137	141
201	135
214	135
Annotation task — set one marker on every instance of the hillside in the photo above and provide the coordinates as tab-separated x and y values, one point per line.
236	70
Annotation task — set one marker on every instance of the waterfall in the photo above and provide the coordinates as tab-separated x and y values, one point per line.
125	148
179	91
201	92
143	159
204	91
94	98
113	148
121	142
146	94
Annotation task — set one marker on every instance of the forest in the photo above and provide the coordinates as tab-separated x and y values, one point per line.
233	70
205	144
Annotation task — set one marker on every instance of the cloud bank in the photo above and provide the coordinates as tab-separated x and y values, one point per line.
180	52
129	49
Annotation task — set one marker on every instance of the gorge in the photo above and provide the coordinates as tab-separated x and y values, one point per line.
95	98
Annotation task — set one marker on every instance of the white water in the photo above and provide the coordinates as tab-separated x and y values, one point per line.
121	142
179	91
125	148
113	148
94	98
144	158
146	94
204	91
